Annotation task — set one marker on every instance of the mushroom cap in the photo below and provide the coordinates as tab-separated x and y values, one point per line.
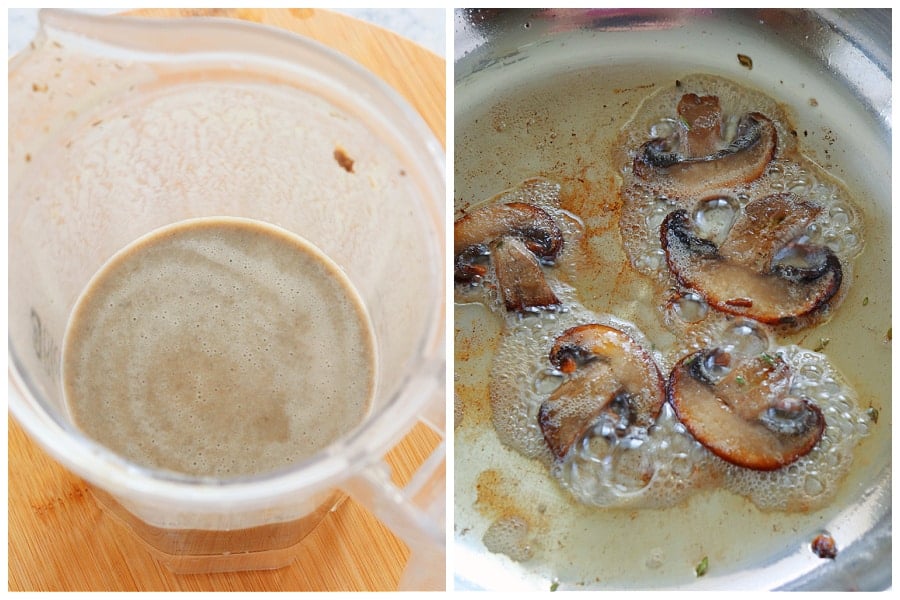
526	221
741	276
741	161
746	417
612	378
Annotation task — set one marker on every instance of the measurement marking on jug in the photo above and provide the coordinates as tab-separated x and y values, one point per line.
45	347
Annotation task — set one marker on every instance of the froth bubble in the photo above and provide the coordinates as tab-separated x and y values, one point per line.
714	217
690	307
745	338
663	128
655	558
509	535
798	186
547	380
812	486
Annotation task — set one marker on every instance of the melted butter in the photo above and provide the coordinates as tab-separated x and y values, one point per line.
660	536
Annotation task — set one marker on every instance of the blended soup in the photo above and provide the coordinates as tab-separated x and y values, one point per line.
218	347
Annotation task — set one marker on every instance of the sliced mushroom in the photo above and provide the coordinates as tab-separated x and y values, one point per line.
700	118
743	411
765	269
697	157
614	384
765	227
519	275
528	222
518	237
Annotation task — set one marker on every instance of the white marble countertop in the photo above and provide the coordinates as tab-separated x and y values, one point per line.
425	26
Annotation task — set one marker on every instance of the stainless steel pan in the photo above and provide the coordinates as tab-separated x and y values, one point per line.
543	93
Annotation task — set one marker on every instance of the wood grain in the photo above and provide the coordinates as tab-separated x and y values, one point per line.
60	540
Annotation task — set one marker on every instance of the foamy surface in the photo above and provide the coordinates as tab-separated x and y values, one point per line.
218	347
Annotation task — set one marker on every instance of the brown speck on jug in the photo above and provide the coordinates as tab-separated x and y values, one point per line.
346	163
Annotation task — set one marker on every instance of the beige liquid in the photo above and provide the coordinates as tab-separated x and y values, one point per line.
218	347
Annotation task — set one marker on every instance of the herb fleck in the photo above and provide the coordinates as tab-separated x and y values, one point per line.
823	342
768	358
554	586
872	412
740	380
702	567
866	301
745	61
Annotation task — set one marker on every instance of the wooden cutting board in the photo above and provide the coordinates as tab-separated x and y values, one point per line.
60	540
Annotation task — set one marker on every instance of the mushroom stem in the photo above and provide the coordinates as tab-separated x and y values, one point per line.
575	406
700	118
520	278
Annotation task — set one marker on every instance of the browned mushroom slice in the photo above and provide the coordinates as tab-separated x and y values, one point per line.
614	383
668	163
516	229
520	277
528	222
764	270
744	413
767	226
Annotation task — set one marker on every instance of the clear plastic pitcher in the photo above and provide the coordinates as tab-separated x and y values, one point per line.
119	126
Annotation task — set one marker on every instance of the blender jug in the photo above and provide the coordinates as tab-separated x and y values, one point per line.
119	126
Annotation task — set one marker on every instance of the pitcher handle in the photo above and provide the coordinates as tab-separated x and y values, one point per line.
416	512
